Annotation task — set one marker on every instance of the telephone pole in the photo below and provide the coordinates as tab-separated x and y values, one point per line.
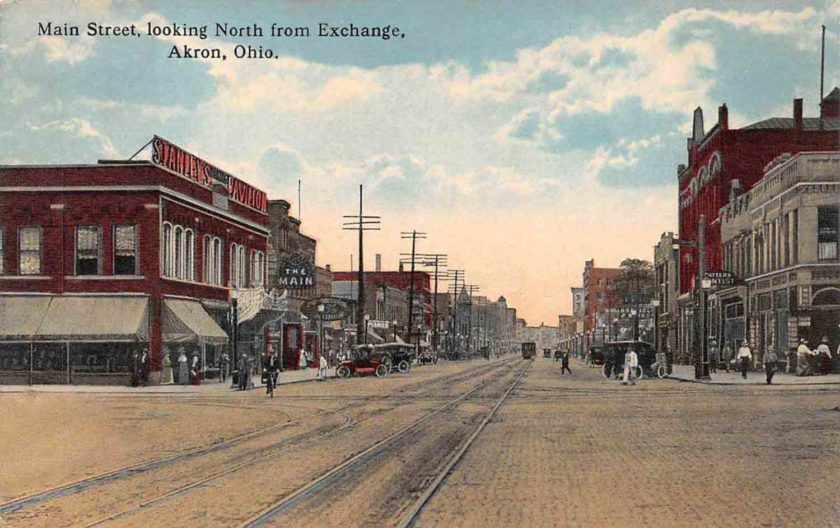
455	275
361	223
471	288
437	261
414	235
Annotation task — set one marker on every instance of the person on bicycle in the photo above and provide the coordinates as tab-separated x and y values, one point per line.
272	367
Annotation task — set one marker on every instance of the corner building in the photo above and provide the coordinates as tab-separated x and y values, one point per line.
98	262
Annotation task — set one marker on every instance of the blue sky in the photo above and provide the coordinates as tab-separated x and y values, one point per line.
524	137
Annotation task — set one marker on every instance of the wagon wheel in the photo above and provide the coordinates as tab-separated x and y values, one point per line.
640	372
381	371
388	362
343	371
403	366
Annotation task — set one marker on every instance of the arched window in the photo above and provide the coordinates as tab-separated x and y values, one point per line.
242	267
189	254
166	249
234	267
257	268
218	268
208	259
714	165
178	252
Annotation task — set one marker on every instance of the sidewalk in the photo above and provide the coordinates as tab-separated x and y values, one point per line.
285	378
686	373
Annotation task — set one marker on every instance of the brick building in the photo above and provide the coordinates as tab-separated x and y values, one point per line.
98	262
726	162
597	302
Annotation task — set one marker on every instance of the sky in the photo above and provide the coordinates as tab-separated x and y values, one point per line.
522	137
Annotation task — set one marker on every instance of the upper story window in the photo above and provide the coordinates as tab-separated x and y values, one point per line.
238	266
828	231
188	272
2	252
213	260
257	268
30	250
88	250
166	250
125	250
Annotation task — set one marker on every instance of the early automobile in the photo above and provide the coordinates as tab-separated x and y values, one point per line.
363	360
614	352
397	356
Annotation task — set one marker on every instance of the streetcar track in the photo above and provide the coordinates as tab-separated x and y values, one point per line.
292	499
15	505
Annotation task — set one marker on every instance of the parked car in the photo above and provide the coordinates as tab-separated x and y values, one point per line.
613	357
398	356
363	360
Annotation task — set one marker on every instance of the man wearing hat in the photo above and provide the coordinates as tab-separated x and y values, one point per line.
803	354
744	356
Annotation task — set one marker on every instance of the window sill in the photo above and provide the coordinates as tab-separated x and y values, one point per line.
25	277
104	277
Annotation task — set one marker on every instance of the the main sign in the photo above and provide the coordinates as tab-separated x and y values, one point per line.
191	166
295	271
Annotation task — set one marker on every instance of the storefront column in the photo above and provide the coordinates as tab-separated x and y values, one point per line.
155	339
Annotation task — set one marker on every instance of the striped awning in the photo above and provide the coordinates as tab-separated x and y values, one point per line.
188	321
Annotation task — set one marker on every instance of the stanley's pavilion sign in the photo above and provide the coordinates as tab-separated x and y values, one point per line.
191	166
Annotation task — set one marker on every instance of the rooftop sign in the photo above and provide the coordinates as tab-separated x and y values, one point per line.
203	173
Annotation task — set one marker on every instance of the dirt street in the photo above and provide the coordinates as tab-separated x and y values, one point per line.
561	451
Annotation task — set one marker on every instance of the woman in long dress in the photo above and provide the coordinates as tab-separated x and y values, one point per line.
183	370
167	368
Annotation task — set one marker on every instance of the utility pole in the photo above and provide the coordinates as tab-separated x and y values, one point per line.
455	275
413	235
361	223
436	260
471	288
701	368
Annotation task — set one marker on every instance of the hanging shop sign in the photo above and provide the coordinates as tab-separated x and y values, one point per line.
720	278
381	325
326	309
295	271
205	174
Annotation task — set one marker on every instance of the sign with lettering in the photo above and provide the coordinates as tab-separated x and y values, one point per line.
326	309
381	325
190	166
295	271
720	278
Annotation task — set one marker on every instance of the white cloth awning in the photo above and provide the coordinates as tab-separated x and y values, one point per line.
185	320
20	317
75	318
375	336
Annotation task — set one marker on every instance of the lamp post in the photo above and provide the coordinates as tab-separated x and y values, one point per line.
320	330
655	304
234	338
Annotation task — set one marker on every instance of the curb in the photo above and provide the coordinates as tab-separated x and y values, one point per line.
731	384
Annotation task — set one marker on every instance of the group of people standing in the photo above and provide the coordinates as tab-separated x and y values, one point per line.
808	362
817	361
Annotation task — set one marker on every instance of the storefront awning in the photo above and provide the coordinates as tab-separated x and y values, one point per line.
185	320
95	319
20	317
375	336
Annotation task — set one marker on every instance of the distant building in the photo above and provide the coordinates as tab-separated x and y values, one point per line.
666	266
598	302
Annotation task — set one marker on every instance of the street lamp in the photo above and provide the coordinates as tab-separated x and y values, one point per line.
395	330
320	330
234	338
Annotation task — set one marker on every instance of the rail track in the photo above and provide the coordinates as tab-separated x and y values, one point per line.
370	455
251	459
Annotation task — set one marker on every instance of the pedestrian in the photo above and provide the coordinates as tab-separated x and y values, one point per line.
242	372
824	356
744	357
565	364
183	369
631	363
301	359
272	367
727	356
135	369
224	365
771	362
714	356
167	368
195	371
803	356
322	368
